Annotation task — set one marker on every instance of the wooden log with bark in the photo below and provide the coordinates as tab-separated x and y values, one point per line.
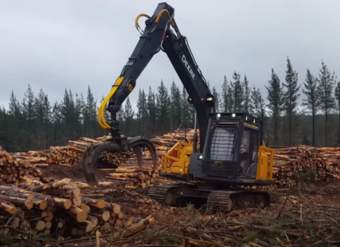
306	164
42	212
14	170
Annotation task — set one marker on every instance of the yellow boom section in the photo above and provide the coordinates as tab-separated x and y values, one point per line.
101	118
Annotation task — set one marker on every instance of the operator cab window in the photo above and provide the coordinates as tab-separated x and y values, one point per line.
222	144
245	142
248	153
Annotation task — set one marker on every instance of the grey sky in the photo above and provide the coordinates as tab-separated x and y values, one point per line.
72	44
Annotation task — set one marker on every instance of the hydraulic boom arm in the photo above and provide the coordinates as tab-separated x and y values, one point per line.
161	33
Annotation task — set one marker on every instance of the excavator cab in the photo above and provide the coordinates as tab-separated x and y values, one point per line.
231	151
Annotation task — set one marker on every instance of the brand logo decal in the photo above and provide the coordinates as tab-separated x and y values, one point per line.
187	65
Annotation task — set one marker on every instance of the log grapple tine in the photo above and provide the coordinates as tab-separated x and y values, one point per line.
93	155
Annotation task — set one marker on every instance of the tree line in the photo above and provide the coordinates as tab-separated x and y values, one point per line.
294	111
35	123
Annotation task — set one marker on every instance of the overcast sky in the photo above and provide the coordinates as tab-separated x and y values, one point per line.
75	43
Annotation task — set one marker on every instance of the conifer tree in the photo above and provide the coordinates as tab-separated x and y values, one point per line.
142	111
128	115
4	128
17	127
216	98
163	108
152	110
56	120
15	108
41	115
325	89
227	95
237	92
89	114
311	100
187	110
175	106
257	104
79	118
246	96
274	97
42	108
337	97
70	109
28	108
290	97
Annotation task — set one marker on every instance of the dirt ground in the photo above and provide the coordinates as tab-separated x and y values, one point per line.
308	215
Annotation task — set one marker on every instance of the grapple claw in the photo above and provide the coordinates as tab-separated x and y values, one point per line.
94	157
91	158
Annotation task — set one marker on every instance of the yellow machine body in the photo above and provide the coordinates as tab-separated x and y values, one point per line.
176	160
265	163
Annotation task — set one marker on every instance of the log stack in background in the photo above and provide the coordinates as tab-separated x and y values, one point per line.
68	154
72	152
290	163
132	175
307	164
14	170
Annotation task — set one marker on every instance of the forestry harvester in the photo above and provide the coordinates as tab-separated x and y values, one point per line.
222	164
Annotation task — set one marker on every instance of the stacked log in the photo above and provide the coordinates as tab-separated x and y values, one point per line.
331	156
288	161
164	142
62	215
135	176
306	164
13	170
68	154
73	151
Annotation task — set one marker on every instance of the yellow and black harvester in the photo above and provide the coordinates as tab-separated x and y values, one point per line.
223	163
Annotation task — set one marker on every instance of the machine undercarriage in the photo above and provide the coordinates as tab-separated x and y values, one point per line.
209	198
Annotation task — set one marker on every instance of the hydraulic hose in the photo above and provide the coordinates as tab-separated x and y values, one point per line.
137	21
101	117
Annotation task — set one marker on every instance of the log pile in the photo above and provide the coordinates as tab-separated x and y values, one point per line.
68	154
307	164
13	170
291	164
68	208
58	209
331	155
134	176
72	152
